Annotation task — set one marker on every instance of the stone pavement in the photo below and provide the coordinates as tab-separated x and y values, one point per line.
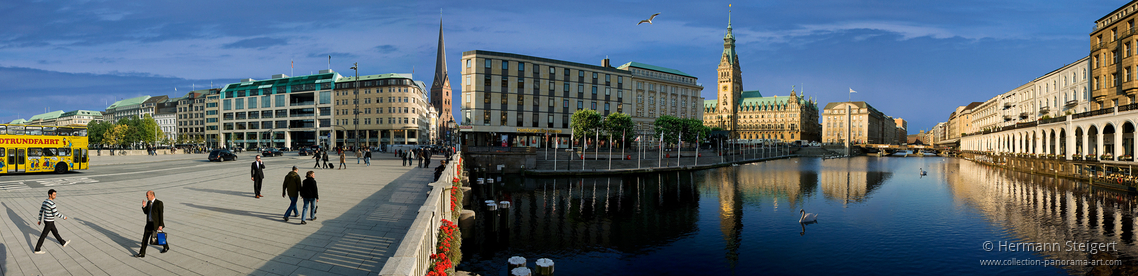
215	224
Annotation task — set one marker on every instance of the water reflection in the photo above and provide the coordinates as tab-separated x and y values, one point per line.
1042	209
740	220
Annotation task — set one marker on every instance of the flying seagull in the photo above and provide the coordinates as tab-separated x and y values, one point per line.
649	20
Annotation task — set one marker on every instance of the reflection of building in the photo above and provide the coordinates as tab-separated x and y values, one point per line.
850	180
1041	209
594	214
750	115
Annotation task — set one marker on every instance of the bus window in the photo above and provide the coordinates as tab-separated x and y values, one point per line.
35	152
16	130
3	129
48	131
3	159
49	152
63	152
65	131
82	132
34	130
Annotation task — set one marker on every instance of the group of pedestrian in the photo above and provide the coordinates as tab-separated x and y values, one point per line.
306	190
421	154
366	156
49	211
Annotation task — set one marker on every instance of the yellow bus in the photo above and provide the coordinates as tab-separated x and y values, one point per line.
31	149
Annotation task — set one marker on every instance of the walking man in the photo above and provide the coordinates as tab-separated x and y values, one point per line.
342	159
359	154
153	210
310	195
48	213
316	155
367	158
291	187
258	174
326	164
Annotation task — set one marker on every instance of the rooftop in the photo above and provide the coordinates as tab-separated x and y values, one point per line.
47	116
654	68
131	101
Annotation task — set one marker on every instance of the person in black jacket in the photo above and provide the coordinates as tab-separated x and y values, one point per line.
310	194
153	210
258	174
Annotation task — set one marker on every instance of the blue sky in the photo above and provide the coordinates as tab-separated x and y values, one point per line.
915	60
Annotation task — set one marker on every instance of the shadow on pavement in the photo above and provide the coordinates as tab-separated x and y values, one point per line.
263	215
125	242
225	192
360	241
24	227
3	256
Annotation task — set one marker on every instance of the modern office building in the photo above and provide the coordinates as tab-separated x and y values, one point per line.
278	112
660	91
750	115
392	109
515	100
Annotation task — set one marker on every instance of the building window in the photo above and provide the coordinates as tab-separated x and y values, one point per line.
505	65
580	105
488	66
594	90
226	105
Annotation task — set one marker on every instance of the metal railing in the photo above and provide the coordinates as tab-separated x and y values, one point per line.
413	256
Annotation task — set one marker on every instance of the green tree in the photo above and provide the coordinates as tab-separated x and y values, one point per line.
668	126
96	131
148	130
694	130
116	134
620	126
585	123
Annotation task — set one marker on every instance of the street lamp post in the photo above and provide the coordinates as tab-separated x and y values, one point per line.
356	111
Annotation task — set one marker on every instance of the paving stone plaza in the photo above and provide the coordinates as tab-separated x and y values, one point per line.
215	225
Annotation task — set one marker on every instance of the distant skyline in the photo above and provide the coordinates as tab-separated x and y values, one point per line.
916	60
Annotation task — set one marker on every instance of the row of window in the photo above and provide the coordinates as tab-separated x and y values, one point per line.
379	110
379	121
373	83
521	66
378	100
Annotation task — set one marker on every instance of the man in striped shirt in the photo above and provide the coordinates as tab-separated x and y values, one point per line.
48	213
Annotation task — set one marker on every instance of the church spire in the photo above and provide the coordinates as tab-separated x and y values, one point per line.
440	59
440	88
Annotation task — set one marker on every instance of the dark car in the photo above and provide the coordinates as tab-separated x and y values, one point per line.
302	151
222	155
269	152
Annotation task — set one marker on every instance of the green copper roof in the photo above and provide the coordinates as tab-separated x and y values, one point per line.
283	83
654	68
131	101
752	94
47	116
81	113
18	122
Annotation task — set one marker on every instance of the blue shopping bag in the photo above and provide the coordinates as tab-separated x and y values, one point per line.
161	238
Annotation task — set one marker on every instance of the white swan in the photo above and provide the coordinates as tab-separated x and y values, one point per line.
807	217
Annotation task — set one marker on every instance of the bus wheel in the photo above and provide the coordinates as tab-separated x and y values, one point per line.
61	167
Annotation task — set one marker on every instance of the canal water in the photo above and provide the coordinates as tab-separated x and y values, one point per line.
875	215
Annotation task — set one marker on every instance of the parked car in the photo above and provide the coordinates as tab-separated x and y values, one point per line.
269	152
302	151
222	155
